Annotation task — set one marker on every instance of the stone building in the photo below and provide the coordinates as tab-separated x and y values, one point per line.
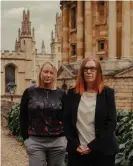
103	29
22	65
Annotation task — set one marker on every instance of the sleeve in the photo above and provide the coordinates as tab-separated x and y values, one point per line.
110	125
67	122
63	95
24	115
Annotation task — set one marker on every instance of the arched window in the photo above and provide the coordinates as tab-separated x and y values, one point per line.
9	75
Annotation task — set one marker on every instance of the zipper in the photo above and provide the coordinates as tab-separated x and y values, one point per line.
47	92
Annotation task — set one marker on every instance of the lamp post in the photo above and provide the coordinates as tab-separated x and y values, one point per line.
33	83
11	87
64	85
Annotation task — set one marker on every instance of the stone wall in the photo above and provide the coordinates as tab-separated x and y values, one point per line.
7	97
123	91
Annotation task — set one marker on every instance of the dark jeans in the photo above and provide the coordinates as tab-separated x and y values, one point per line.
92	159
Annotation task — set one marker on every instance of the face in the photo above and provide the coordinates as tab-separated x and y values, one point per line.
90	71
47	74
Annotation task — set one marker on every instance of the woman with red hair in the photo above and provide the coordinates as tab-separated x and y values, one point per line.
90	119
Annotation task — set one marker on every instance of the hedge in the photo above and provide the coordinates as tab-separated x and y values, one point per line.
124	133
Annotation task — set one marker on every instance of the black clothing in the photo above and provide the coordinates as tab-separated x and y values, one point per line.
105	122
92	159
41	112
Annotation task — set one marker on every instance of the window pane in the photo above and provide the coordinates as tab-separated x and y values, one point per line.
73	47
9	75
102	46
73	18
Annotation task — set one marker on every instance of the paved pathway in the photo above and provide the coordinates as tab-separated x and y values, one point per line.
12	152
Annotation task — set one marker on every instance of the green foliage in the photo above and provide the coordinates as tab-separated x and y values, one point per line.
13	120
124	133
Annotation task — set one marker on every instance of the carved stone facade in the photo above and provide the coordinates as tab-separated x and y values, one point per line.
97	28
23	64
103	29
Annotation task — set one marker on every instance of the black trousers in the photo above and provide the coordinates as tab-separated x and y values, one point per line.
91	159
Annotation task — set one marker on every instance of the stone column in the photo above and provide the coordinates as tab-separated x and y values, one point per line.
34	66
112	30
131	26
79	51
126	52
2	82
88	29
65	27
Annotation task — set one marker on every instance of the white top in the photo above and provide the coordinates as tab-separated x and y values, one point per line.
86	117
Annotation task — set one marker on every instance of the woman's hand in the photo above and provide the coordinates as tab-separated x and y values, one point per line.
83	151
79	149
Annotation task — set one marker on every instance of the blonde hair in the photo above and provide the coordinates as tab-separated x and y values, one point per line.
80	83
53	86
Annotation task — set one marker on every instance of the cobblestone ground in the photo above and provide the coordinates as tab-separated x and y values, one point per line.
12	152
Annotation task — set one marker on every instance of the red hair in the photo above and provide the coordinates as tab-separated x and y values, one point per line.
80	83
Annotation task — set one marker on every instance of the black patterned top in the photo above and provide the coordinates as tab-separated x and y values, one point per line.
41	112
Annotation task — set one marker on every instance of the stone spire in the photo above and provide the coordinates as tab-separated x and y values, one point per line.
16	45
26	24
33	34
28	14
56	26
52	36
19	34
57	15
23	14
43	47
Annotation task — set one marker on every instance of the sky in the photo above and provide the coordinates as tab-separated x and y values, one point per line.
42	17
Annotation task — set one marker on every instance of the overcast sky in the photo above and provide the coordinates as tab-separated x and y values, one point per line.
42	16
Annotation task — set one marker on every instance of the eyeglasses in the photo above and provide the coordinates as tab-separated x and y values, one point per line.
92	69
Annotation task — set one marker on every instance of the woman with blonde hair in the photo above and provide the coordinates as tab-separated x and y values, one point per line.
41	120
90	118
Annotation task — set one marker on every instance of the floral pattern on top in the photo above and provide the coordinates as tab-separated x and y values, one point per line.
45	112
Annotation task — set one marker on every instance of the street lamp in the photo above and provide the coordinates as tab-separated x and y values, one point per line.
11	87
33	83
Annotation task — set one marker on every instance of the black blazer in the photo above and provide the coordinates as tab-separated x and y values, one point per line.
105	122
